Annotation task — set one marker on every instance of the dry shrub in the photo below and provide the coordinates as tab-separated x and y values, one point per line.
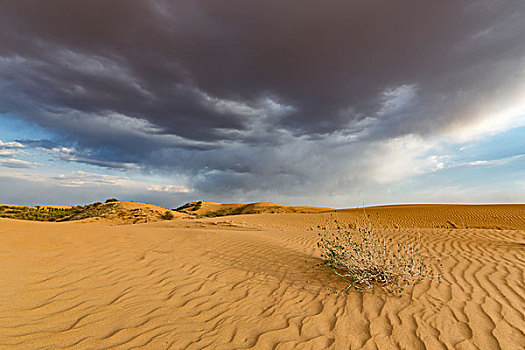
168	215
364	258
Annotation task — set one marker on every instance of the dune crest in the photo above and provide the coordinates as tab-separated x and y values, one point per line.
212	209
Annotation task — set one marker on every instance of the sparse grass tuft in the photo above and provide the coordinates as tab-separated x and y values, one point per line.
365	258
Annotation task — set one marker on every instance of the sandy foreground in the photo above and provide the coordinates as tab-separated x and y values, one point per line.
246	281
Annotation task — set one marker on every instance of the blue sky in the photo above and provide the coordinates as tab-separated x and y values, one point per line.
43	171
334	106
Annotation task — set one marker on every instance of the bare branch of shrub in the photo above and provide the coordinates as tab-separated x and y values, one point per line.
365	258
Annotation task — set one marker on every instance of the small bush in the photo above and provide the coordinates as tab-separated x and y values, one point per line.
182	207
168	215
109	200
196	207
365	258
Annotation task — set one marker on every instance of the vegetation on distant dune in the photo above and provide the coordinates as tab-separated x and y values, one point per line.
224	212
112	209
211	210
93	210
39	213
364	258
189	208
49	213
192	207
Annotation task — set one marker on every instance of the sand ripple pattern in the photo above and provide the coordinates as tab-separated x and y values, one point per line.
165	286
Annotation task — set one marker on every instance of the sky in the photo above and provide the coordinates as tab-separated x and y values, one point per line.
339	104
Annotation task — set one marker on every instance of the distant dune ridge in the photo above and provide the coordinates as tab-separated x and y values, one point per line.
211	209
116	212
497	216
233	276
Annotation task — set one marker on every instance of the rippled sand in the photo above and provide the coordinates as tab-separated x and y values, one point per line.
246	282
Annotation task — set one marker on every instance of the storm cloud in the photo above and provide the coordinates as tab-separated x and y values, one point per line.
263	97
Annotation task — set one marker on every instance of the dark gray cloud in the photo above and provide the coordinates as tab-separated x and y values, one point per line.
255	94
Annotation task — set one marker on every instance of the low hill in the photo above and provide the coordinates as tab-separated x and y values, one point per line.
211	209
118	212
125	212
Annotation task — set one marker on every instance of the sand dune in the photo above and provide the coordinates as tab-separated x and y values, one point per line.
126	212
245	281
112	212
212	209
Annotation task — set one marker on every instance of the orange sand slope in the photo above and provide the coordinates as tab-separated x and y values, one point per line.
124	212
200	208
240	282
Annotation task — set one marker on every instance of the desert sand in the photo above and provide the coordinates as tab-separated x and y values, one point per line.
247	282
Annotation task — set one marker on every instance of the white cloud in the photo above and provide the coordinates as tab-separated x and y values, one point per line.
490	125
12	152
226	106
398	158
501	115
264	107
17	163
395	99
100	163
168	188
82	178
490	162
11	144
114	123
58	150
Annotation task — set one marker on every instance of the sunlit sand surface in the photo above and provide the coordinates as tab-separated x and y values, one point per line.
246	281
